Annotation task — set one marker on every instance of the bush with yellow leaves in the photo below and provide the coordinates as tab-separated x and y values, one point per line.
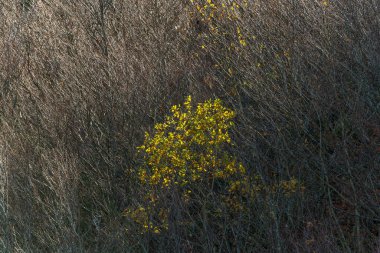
189	146
186	153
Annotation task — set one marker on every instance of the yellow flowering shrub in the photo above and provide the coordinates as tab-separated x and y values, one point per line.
188	146
187	151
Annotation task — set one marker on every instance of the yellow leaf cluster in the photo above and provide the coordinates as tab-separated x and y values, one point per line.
188	146
187	151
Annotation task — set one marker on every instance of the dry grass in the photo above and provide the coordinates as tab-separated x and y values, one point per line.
81	81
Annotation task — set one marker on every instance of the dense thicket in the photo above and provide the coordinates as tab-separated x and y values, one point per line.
81	81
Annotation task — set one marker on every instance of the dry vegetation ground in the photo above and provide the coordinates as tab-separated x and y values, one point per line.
82	80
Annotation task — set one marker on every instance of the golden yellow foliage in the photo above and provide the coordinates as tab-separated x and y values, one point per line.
188	146
188	150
